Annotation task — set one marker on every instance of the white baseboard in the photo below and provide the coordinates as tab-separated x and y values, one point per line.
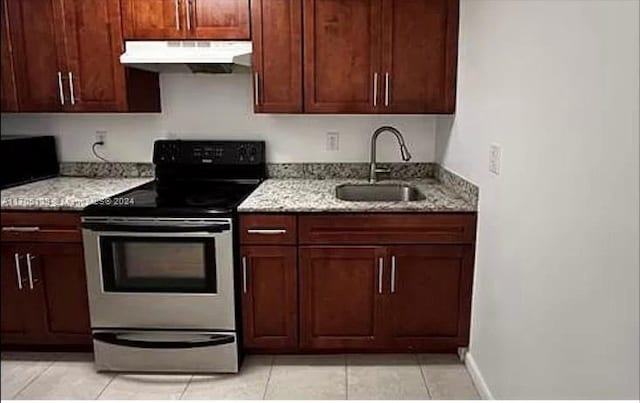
477	378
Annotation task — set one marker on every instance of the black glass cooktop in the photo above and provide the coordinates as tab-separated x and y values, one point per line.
193	199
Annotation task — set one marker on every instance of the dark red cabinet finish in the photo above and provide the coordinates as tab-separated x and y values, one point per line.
66	59
277	55
44	291
270	297
340	299
380	56
186	19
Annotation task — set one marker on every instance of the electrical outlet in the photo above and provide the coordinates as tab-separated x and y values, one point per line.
495	157
101	136
333	141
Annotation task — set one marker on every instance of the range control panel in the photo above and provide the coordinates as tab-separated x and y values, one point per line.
196	152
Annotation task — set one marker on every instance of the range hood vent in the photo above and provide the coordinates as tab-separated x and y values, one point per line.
212	57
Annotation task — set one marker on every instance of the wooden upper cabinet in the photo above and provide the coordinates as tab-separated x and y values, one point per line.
342	56
429	298
66	59
93	40
419	55
186	19
218	19
341	297
8	94
380	56
38	54
153	19
277	55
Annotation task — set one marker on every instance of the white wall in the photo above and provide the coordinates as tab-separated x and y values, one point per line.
555	83
220	107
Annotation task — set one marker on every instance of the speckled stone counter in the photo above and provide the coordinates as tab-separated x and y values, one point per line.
65	193
308	195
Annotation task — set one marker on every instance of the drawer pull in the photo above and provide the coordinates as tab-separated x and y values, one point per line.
267	231
21	229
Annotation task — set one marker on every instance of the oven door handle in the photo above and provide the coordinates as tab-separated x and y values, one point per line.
213	340
109	227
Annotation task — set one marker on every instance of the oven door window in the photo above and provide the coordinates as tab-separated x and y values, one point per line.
153	264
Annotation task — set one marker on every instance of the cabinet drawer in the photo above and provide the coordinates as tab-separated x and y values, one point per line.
40	227
264	229
376	229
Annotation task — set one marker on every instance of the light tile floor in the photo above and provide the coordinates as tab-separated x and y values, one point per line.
386	377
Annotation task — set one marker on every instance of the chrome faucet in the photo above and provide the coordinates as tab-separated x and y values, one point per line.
406	156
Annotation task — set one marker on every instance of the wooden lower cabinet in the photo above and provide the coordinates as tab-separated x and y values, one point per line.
48	306
429	298
400	298
341	297
406	290
270	297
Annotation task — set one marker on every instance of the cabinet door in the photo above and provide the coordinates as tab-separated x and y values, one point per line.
270	297
23	311
38	54
341	297
420	42
153	19
217	19
277	55
93	40
9	97
342	56
429	296
60	267
12	293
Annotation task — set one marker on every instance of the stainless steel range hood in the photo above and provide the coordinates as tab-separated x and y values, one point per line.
188	56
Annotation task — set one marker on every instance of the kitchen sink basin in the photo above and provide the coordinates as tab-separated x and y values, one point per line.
382	192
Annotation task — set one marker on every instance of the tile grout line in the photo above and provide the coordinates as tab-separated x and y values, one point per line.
424	379
34	378
266	386
346	377
186	386
113	377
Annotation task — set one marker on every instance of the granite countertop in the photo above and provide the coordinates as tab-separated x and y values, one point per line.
309	195
65	193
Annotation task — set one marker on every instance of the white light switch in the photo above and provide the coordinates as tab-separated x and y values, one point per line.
495	156
333	141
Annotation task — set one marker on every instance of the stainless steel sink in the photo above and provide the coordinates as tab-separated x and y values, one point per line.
378	192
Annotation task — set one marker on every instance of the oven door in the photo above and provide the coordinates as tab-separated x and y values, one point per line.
160	273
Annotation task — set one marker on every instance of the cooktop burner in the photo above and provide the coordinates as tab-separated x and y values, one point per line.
193	179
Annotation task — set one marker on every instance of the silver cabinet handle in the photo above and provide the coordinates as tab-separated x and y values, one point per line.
16	257
393	274
60	88
244	274
71	94
188	15
375	89
386	89
380	274
256	88
177	9
267	231
29	270
21	229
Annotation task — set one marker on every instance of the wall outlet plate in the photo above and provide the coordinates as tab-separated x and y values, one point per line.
333	141
495	158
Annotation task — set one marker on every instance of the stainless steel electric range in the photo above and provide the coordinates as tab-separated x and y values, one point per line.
162	259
